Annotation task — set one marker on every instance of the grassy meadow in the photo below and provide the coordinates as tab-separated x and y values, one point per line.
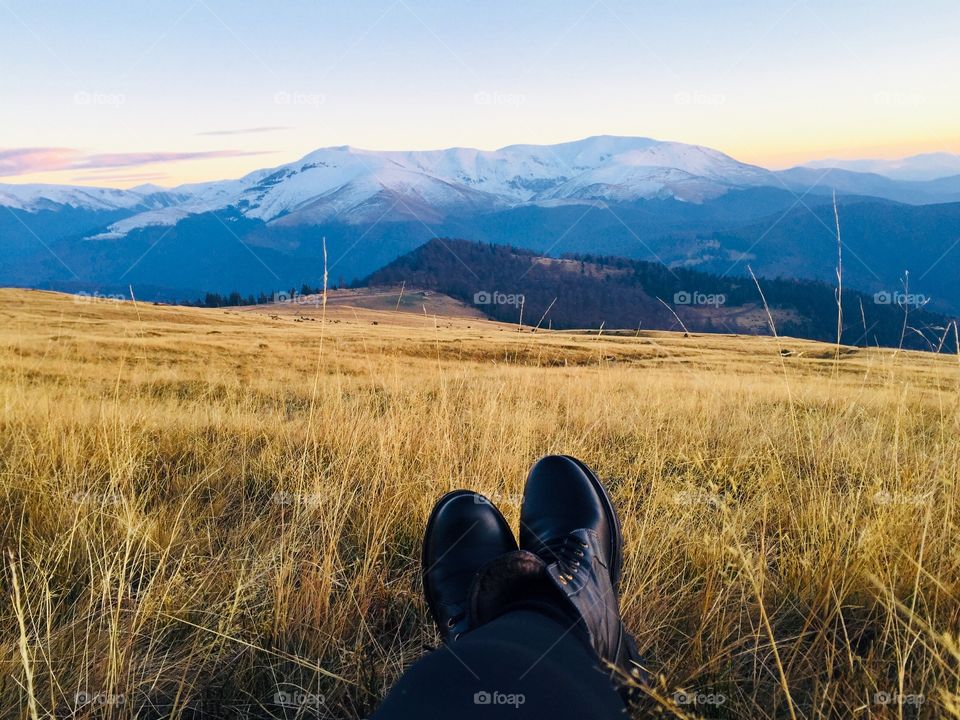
218	513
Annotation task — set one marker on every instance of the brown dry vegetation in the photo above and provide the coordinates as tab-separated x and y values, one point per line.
202	508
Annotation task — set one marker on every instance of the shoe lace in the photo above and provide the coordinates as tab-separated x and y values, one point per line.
454	620
567	551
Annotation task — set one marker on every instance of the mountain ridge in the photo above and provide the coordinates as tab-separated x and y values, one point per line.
684	205
920	167
357	186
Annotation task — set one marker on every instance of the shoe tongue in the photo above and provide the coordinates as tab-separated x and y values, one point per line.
458	576
583	535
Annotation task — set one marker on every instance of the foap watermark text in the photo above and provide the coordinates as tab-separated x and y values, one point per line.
485	297
902	299
499	99
85	698
297	699
895	698
687	297
685	97
87	298
298	98
682	697
296	298
498	698
87	97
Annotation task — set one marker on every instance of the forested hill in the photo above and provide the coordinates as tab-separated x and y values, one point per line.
514	285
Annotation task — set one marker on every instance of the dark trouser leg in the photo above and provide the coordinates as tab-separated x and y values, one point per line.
521	665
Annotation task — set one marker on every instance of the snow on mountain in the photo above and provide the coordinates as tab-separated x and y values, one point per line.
635	167
164	217
36	197
355	186
339	182
662	169
927	166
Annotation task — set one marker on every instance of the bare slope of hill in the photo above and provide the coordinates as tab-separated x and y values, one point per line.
384	299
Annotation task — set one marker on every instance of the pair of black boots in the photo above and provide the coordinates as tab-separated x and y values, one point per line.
567	564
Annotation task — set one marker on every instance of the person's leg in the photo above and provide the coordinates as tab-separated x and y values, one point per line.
521	665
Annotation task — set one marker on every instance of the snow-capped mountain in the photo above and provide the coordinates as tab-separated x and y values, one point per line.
635	197
36	197
357	186
354	186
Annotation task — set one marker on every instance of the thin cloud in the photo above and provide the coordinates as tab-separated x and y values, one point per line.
22	161
246	131
108	160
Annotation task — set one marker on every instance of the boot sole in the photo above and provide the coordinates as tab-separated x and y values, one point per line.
616	541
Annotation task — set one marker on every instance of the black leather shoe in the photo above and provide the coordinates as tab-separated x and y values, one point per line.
563	495
465	531
568	521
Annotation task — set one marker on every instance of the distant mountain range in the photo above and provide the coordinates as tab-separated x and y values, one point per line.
635	197
352	185
928	166
591	292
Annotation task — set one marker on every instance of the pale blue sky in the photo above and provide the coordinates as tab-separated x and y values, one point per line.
116	93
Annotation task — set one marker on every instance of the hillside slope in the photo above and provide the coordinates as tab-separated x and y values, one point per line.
589	292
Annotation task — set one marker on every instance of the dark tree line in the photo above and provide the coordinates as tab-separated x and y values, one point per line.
588	290
235	299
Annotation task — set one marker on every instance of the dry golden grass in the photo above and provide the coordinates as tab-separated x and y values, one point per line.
202	508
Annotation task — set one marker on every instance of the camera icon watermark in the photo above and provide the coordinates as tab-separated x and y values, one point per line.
497	698
485	297
687	297
885	297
